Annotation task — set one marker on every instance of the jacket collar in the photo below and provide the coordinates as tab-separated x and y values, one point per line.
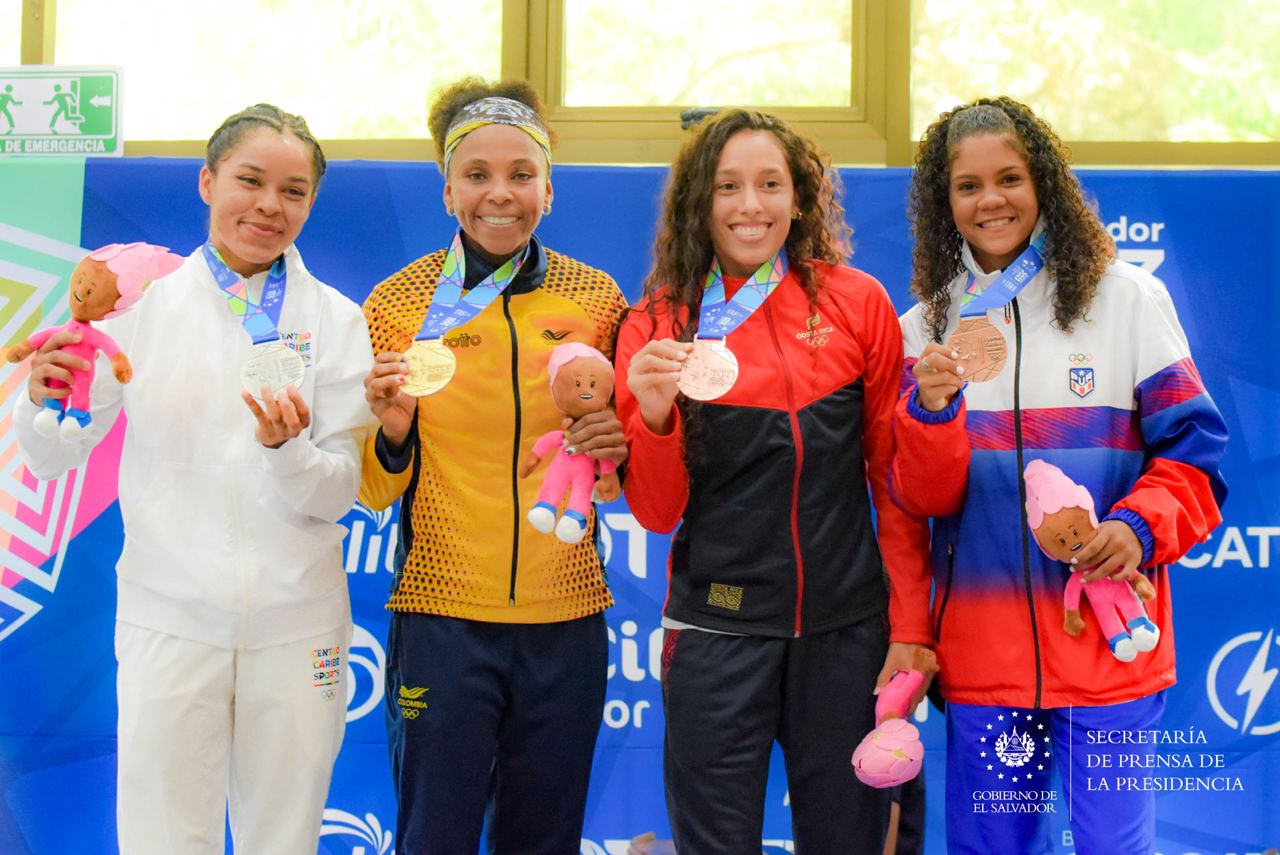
292	264
1039	291
529	277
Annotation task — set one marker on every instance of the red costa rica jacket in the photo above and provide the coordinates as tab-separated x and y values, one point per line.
771	491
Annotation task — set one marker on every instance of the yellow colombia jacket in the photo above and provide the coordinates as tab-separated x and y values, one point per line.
467	549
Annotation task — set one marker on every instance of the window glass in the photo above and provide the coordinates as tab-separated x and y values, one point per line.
10	32
710	52
355	69
1106	70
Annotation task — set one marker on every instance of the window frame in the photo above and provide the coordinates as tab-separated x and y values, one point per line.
856	133
873	130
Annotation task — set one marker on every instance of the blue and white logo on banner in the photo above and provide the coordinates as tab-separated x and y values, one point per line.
366	673
370	838
1242	689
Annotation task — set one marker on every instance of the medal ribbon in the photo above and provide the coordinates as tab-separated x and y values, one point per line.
1010	284
449	308
260	320
719	318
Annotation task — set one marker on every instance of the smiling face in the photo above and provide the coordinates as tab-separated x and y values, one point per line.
93	291
498	186
1064	533
259	197
993	199
752	203
583	385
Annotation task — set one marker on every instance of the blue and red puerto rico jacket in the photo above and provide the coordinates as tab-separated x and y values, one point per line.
1118	405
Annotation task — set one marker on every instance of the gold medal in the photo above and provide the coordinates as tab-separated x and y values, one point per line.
431	367
273	364
983	351
709	372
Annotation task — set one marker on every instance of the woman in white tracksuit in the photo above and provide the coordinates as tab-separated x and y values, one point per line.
233	619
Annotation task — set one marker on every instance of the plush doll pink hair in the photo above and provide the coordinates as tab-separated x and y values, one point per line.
136	266
106	283
581	383
568	352
1049	491
1061	515
892	753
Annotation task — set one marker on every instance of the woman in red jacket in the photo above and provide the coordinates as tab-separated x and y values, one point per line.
761	376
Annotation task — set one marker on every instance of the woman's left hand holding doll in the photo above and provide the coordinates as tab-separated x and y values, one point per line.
1114	551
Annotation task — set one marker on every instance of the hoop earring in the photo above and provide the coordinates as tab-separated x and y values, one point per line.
451	212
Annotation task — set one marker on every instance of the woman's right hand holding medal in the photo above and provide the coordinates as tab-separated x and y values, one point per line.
652	379
939	376
394	409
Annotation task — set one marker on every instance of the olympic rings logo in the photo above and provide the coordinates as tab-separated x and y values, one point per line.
1081	358
409	713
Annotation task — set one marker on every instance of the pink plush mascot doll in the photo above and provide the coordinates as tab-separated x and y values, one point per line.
106	283
581	383
892	753
1060	513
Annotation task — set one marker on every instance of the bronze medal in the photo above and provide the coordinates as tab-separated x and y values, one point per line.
709	372
983	351
431	367
273	364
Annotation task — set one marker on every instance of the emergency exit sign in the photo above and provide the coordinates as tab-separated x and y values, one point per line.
52	110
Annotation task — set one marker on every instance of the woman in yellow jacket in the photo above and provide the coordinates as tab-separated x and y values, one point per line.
496	660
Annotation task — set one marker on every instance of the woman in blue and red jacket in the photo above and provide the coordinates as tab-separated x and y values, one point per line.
777	600
1079	361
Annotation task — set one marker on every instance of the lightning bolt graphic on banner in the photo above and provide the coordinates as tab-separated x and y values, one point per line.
1257	682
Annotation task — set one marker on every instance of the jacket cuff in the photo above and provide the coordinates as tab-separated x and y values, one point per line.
1135	521
909	619
398	460
24	408
675	435
288	458
922	636
920	414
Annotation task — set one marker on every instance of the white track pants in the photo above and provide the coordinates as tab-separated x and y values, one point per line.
203	729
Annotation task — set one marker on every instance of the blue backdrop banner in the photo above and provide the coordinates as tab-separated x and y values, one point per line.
1212	237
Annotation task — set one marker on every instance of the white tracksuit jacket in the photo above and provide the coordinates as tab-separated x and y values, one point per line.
227	542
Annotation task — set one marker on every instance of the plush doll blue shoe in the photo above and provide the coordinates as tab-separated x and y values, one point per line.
542	517
572	527
1146	635
1122	647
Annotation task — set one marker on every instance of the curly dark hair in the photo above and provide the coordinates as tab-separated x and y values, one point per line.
459	94
1077	247
683	250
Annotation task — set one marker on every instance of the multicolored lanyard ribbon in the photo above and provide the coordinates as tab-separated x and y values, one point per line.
449	308
261	320
718	318
1010	284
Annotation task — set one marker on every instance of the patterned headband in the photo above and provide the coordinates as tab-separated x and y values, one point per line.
496	111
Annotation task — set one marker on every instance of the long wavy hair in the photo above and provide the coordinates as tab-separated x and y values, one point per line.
683	250
1077	247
